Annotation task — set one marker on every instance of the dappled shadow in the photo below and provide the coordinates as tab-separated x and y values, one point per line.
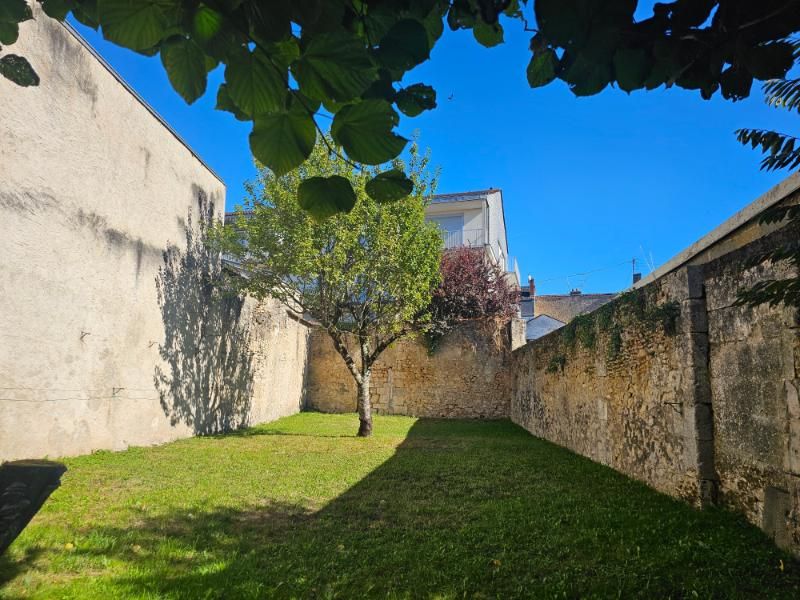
206	379
458	511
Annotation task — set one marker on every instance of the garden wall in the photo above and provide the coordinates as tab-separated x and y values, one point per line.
676	386
110	334
625	385
467	376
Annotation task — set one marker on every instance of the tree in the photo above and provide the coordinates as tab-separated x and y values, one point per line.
472	287
365	276
289	63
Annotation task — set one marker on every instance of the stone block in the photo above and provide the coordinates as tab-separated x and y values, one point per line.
775	523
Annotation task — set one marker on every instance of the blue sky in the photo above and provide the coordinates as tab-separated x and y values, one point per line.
588	183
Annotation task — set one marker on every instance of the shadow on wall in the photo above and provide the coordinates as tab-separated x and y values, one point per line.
206	379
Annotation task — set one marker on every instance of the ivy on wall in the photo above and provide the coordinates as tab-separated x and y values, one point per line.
631	310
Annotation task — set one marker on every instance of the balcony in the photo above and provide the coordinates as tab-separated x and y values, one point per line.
463	238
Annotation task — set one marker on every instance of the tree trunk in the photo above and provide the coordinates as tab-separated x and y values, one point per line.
364	407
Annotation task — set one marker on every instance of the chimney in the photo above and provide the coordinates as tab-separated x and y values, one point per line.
531	286
637	277
574	292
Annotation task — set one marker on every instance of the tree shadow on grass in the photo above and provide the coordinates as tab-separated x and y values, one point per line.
206	379
455	513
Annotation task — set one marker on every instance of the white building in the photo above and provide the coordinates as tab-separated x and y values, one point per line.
475	219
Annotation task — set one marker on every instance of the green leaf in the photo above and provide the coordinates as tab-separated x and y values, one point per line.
542	68
206	23
9	32
434	25
57	9
334	66
364	130
488	35
735	83
416	98
404	46
631	68
324	197
585	76
135	24
284	139
254	84
14	11
225	103
18	69
770	61
560	21
185	64
389	186
86	13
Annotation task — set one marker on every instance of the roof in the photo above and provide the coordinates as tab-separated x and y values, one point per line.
463	196
568	306
541	325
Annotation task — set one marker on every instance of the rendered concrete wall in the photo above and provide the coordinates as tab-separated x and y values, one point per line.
755	376
467	376
110	335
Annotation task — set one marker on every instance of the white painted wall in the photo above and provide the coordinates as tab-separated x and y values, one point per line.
93	190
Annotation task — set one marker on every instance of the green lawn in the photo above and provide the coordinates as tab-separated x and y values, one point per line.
445	509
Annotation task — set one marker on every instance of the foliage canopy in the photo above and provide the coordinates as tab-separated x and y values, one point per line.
289	63
472	287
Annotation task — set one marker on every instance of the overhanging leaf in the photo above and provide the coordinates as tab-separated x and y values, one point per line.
9	32
488	35
57	9
560	21
254	84
416	98
225	103
404	46
631	68
185	64
324	197
134	24
284	139
389	186
364	130
585	76
18	69
542	68
335	67
206	23
735	83
15	11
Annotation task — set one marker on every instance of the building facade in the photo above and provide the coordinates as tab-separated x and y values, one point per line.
474	220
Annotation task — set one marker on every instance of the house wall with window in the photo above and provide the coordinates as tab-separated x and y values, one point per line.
474	219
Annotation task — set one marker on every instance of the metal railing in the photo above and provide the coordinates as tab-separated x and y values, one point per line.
460	238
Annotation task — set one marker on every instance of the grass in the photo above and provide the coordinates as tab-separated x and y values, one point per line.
442	509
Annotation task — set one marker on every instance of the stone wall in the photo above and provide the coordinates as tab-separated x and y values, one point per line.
676	386
622	386
110	334
467	376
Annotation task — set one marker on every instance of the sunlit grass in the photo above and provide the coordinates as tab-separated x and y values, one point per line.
446	509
